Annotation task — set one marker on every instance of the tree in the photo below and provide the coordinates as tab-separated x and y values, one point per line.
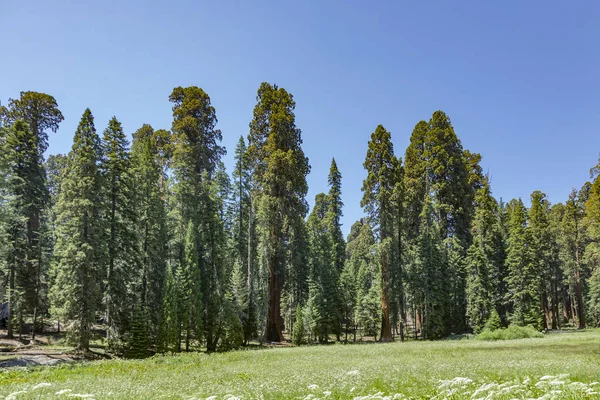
40	112
323	278
279	174
26	188
79	245
151	225
122	257
196	156
544	259
480	260
378	191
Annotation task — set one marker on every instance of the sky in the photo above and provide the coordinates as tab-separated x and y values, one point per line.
520	80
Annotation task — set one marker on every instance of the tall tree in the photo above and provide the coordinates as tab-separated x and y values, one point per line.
122	255
279	172
79	245
378	192
480	267
324	273
151	224
544	259
196	156
40	111
27	190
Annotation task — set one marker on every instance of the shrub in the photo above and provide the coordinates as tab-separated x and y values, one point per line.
512	332
493	322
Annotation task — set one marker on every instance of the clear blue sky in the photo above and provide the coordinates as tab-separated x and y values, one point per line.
519	79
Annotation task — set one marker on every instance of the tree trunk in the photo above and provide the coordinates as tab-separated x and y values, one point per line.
546	309
274	328
386	327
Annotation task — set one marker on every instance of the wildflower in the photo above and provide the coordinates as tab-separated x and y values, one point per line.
63	391
352	373
41	385
13	396
311	387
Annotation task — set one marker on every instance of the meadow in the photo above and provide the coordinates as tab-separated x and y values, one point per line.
557	366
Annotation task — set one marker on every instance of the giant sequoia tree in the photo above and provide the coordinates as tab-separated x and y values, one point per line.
279	173
378	194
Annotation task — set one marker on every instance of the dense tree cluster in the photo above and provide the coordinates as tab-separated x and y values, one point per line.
154	247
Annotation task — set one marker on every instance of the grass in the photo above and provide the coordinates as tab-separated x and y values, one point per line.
453	369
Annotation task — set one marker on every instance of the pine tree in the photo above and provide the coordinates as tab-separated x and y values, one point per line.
196	156
122	257
544	259
480	260
428	272
279	174
378	191
524	304
323	277
151	224
79	244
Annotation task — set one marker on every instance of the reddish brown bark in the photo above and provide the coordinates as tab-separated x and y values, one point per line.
386	327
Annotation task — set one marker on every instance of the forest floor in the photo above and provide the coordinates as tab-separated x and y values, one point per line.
565	366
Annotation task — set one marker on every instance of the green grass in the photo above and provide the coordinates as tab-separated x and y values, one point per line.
522	368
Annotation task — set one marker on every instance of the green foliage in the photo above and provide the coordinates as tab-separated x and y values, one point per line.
298	329
138	340
510	333
279	174
79	246
119	212
493	322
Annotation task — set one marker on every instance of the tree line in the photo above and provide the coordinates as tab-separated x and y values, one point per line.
152	246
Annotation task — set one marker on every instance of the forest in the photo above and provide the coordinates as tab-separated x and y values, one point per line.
151	246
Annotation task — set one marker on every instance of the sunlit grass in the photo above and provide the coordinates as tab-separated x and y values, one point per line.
525	368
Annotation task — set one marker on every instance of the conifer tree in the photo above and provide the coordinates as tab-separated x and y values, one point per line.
378	191
323	277
151	224
279	174
544	259
479	260
196	156
524	304
79	245
122	256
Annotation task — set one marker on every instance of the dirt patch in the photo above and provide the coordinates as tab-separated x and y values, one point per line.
35	360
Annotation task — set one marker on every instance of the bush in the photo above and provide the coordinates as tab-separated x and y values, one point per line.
493	323
512	332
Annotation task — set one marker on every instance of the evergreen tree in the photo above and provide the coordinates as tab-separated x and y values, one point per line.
378	191
522	289
323	270
122	255
151	224
196	156
79	245
279	174
480	267
544	259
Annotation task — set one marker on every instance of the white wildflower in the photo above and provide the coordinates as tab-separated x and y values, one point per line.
458	381
311	387
547	377
41	385
352	373
211	398
81	395
64	391
13	396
